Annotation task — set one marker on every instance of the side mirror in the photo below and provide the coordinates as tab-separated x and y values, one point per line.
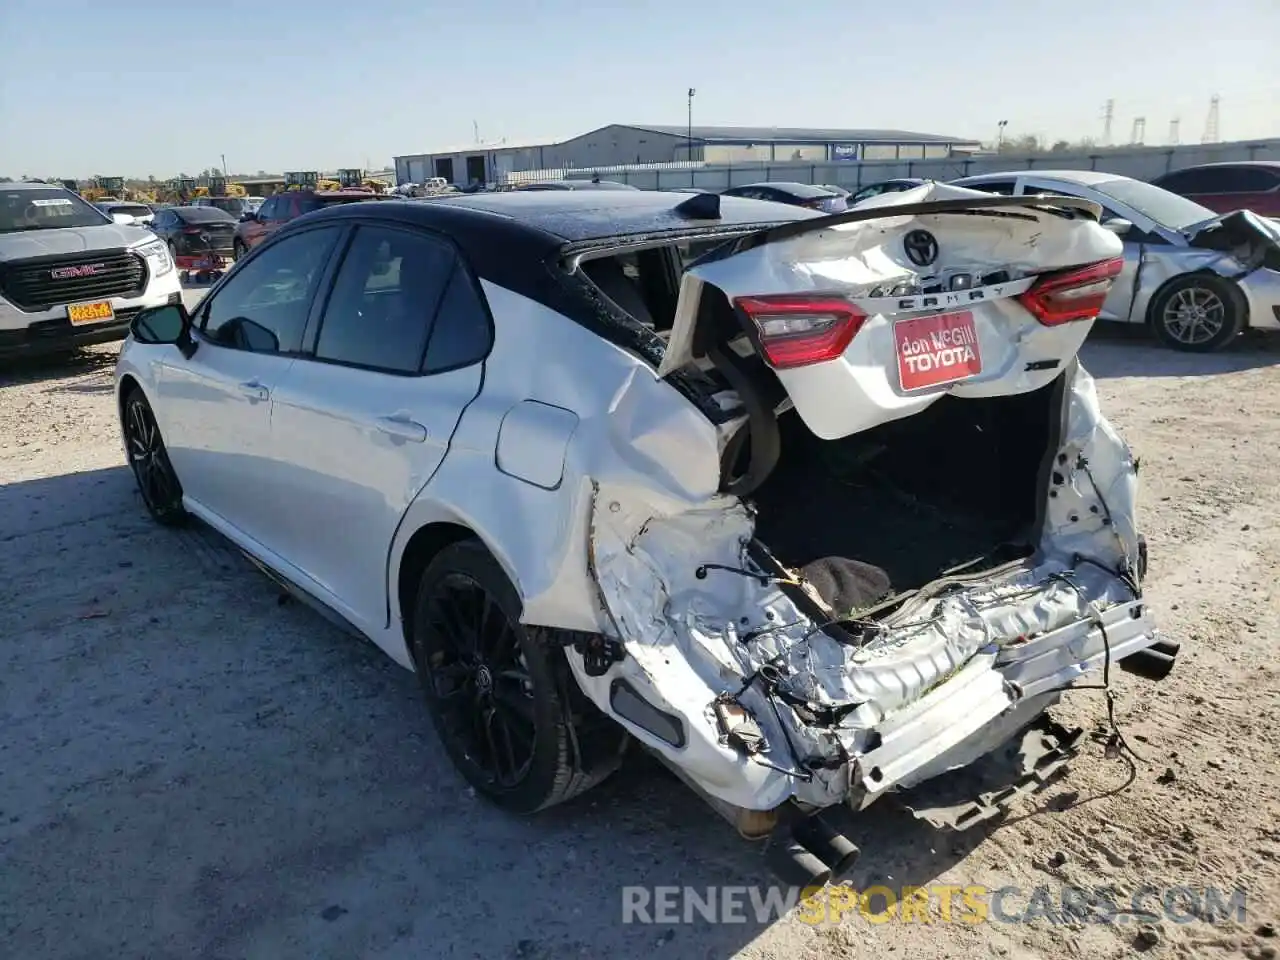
1117	226
170	324
248	217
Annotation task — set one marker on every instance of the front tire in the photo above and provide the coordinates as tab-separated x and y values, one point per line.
157	482
237	249
500	693
1199	313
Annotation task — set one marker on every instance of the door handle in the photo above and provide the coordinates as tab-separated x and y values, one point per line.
254	390
400	426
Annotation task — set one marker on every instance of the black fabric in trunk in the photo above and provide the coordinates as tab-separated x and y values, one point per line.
891	509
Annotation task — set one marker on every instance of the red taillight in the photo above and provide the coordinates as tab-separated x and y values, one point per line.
797	330
1075	294
192	230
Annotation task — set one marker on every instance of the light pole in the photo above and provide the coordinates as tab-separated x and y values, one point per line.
1000	134
224	166
689	142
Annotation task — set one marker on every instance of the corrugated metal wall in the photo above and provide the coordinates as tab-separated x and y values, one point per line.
1142	163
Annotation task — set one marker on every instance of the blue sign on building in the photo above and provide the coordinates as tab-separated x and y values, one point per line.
844	151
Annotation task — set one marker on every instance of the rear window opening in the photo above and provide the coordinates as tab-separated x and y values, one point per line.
645	284
956	487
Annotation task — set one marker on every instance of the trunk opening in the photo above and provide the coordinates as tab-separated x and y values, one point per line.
883	512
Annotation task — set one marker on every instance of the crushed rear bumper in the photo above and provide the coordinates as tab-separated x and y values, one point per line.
991	697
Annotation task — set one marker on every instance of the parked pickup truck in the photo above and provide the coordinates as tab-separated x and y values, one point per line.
69	275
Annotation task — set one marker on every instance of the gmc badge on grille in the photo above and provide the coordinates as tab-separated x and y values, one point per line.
83	270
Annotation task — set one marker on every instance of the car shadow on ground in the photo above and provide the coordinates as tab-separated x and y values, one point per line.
194	767
67	371
1128	350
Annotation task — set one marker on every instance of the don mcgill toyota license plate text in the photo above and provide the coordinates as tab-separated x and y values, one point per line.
934	350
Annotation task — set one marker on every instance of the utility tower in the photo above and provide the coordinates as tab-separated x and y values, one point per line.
1108	114
1211	123
1173	130
1139	130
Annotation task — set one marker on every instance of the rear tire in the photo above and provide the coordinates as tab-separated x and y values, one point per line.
157	482
1198	313
500	694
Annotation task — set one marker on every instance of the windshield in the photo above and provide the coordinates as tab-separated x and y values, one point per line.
45	209
1167	209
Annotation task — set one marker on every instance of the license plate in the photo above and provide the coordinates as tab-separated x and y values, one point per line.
935	350
89	312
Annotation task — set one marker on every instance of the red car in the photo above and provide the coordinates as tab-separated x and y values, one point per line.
279	209
1224	187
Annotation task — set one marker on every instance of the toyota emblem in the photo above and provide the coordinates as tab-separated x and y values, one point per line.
921	247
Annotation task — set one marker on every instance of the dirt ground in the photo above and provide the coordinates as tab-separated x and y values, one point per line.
190	768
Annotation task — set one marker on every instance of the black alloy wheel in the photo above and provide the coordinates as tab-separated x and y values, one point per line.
158	484
500	694
481	682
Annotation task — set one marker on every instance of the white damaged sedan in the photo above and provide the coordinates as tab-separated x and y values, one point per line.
815	508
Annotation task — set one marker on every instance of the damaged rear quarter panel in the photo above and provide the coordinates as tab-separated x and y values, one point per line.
632	430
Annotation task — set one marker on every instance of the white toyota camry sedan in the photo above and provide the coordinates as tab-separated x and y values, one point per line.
815	508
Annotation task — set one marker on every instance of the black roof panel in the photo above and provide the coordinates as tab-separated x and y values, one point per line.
574	216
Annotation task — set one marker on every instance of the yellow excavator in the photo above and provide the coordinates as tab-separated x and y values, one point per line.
353	178
104	188
301	180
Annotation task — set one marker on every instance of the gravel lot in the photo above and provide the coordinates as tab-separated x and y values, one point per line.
191	768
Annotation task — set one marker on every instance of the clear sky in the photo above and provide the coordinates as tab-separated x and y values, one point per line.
138	87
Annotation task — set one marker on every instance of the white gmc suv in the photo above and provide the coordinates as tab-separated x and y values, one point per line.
69	276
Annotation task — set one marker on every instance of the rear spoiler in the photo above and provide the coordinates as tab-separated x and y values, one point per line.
1059	205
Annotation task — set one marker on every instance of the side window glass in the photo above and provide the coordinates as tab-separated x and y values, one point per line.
264	306
267	210
1003	187
461	333
1183	181
385	296
1218	180
1250	180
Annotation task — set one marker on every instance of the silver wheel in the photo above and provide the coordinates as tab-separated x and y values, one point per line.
1194	316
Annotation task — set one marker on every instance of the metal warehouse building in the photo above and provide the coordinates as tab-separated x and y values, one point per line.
620	143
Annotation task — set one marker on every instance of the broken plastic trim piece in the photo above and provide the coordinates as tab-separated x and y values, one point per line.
1041	751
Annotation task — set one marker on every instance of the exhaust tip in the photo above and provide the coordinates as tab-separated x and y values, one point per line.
1150	664
836	851
794	865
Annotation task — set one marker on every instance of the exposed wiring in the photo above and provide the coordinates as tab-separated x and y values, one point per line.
798	772
1082	463
1116	742
765	579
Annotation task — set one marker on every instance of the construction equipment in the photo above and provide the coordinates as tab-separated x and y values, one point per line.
177	192
350	177
103	188
301	180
